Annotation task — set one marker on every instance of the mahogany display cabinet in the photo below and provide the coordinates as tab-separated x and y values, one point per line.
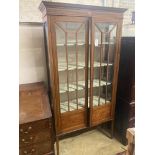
83	50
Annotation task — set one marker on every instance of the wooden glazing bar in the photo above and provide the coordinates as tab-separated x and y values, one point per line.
100	70
107	77
86	54
98	28
67	70
112	28
103	50
77	64
76	71
61	27
92	27
79	28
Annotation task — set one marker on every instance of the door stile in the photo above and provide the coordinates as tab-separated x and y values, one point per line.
100	69
66	48
86	71
116	65
56	97
92	28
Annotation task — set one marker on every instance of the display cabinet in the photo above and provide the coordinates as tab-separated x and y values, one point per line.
82	44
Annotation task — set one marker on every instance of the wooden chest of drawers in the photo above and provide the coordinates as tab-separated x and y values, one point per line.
35	126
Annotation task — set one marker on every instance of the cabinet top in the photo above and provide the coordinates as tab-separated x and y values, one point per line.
46	8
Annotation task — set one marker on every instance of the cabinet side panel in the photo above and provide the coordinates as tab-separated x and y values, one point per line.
116	63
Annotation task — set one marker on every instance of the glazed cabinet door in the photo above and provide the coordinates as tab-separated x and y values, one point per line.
70	54
104	62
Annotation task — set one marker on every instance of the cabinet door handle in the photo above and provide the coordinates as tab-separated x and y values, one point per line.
26	131
29	153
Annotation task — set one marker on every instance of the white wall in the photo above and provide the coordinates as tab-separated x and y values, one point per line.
31	54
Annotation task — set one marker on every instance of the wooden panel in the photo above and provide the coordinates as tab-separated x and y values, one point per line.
33	108
31	93
33	103
101	114
73	120
37	149
29	139
31	89
34	127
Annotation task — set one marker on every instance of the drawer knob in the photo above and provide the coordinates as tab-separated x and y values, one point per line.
26	152
27	131
26	142
23	140
21	130
29	127
29	93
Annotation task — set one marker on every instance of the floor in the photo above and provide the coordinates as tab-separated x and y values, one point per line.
90	143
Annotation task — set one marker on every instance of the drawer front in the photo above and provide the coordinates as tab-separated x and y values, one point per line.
35	138
37	149
33	127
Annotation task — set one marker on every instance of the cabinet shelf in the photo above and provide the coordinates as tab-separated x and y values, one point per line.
81	103
63	66
97	64
72	105
81	85
72	88
104	43
102	101
102	83
71	44
81	65
95	83
83	43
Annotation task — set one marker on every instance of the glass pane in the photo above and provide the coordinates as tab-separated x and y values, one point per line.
105	35
70	39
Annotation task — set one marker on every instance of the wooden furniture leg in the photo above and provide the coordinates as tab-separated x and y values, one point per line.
57	144
112	128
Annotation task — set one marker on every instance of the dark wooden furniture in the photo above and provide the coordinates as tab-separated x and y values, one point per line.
35	129
82	44
125	106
